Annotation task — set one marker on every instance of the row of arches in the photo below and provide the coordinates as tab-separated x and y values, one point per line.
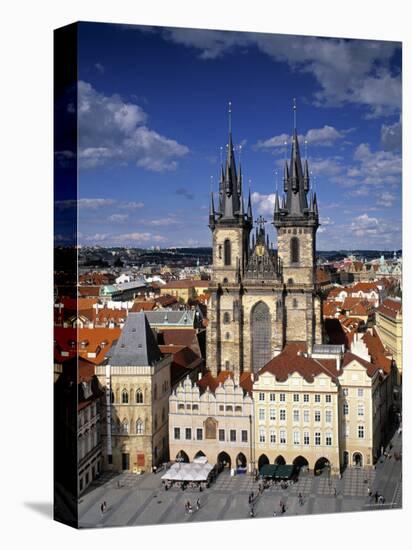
126	398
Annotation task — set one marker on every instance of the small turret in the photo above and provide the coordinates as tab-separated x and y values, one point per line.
212	214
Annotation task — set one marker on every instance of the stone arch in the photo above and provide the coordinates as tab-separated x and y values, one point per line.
241	461
199	454
280	460
260	335
357	459
224	460
300	462
321	464
182	456
263	459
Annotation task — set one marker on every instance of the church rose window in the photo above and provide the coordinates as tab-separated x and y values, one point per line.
260	336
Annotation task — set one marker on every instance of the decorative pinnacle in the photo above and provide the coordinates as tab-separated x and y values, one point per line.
230	117
260	222
294	113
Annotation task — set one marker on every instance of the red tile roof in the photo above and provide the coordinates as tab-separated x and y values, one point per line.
365	287
143	306
288	362
377	351
370	368
212	382
390	308
95	340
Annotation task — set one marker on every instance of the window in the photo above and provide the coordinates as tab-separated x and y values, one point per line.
345	408
317	438
188	433
226	318
361	410
181	406
282	437
361	432
125	426
328	439
347	430
272	414
272	396
317	398
295	416
221	407
345	392
282	414
244	436
125	396
111	397
296	438
261	396
328	416
238	408
317	416
229	408
294	250
282	397
221	435
139	428
139	396
306	398
306	416
328	398
296	397
306	438
272	436
232	435
227	335
360	392
261	414
195	407
227	252
199	433
262	435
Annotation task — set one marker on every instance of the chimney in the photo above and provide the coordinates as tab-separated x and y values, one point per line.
199	376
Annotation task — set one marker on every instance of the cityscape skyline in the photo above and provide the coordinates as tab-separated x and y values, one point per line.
141	129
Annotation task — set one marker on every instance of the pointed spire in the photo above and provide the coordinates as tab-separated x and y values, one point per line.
306	176
242	207
239	180
249	207
315	205
286	177
212	213
276	203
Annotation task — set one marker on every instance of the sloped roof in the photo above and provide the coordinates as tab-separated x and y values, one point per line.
137	344
212	382
377	351
390	308
370	368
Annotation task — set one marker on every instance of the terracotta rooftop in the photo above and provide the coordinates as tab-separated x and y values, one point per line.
143	306
377	351
213	382
370	368
390	308
288	362
82	341
187	283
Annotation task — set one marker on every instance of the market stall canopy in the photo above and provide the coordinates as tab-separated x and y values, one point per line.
284	471
194	471
268	470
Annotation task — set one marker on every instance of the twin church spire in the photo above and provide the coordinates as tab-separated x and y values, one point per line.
298	204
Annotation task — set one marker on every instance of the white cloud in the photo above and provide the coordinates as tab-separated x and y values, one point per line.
111	130
265	203
99	67
131	205
137	237
378	167
346	71
163	221
325	136
386	199
391	136
118	218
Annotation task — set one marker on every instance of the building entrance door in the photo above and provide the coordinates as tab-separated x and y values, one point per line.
125	461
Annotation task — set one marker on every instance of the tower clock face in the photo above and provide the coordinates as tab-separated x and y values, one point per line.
260	250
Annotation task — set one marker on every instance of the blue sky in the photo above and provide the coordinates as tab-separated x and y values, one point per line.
153	116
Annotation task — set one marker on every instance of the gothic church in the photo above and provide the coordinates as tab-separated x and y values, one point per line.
262	298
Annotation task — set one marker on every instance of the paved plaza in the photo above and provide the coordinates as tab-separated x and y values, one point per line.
142	500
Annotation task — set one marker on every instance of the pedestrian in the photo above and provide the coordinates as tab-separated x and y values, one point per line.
104	506
376	496
252	512
369	492
186	508
334	492
198	504
101	509
274	514
154	469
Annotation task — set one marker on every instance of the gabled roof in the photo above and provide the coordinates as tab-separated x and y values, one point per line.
370	368
212	382
137	344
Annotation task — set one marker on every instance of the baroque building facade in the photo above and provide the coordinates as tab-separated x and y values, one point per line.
262	298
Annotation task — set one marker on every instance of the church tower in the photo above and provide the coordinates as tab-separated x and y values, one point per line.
230	224
297	220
